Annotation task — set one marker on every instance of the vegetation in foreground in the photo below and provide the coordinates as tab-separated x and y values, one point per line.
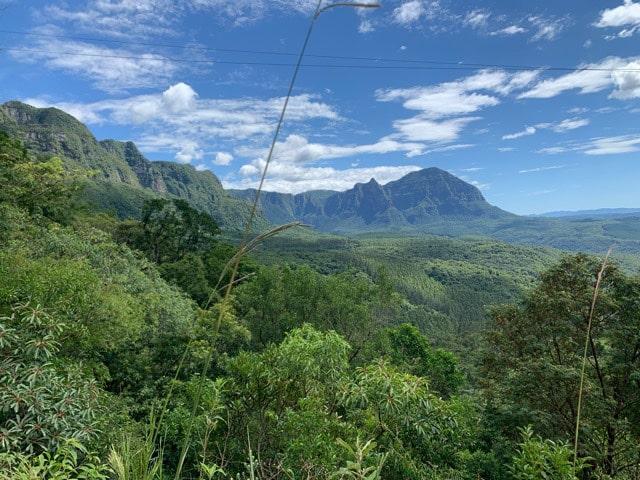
106	325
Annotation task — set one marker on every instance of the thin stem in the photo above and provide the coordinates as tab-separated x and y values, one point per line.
243	243
584	356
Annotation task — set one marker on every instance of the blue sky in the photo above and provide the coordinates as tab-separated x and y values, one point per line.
535	103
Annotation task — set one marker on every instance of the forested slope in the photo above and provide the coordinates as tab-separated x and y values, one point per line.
120	360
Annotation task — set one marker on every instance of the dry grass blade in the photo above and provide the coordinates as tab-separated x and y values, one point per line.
596	289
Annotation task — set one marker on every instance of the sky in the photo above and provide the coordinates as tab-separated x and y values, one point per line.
536	103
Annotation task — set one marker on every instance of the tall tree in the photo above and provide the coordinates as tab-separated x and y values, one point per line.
168	230
535	353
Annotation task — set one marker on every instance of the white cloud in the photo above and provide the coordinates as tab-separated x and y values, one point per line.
179	98
542	169
409	12
120	19
589	78
223	158
177	123
623	15
527	131
110	69
614	145
440	101
554	150
297	150
547	28
510	30
189	151
477	18
565	125
570	124
445	108
422	129
627	82
297	179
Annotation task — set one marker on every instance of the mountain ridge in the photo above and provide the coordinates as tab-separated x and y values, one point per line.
417	198
429	201
124	178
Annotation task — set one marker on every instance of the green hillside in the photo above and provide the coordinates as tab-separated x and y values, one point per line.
375	357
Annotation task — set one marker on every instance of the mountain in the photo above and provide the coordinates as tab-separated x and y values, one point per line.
416	201
429	201
432	201
123	178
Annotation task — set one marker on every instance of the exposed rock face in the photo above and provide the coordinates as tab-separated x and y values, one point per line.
416	199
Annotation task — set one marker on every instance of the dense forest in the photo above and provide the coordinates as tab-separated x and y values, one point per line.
131	349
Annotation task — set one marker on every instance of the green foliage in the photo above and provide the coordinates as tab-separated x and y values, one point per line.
365	464
535	352
410	351
124	322
43	401
39	187
279	299
69	461
541	459
137	458
284	401
406	419
169	229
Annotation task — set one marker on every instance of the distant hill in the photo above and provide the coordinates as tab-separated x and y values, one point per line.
429	201
600	213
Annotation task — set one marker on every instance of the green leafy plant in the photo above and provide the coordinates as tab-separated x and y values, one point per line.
69	461
541	459
365	465
43	400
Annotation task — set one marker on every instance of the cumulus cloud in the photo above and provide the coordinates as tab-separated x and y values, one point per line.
625	15
189	151
179	98
223	158
627	83
445	109
527	131
296	179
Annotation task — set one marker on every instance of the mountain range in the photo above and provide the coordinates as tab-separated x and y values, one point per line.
428	201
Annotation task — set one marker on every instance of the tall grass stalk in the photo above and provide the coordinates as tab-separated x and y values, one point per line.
244	244
242	248
141	461
592	309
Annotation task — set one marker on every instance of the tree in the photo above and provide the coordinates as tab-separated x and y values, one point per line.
411	352
168	230
534	357
39	187
279	299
